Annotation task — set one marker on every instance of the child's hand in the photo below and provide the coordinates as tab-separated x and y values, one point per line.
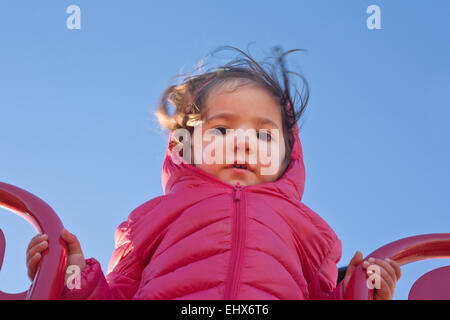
39	243
75	256
384	273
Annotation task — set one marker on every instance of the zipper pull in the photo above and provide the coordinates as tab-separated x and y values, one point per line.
237	194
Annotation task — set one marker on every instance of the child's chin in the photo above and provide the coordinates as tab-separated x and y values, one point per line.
243	182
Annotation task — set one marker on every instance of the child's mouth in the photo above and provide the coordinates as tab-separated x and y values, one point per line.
240	167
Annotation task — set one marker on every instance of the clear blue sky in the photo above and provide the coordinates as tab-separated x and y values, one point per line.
77	126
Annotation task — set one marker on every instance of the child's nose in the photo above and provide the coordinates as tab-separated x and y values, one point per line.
245	141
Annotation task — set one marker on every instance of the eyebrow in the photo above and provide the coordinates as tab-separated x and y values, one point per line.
227	116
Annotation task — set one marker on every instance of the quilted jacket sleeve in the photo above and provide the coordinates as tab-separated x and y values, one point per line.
124	270
323	284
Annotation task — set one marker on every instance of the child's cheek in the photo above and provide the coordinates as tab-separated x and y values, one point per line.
271	156
205	156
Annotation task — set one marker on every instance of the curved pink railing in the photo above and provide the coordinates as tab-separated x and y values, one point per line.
49	280
404	251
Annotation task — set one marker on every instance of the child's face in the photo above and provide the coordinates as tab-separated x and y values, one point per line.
250	109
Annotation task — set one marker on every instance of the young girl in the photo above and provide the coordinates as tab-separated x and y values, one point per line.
224	229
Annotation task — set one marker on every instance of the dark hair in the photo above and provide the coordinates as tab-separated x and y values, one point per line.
189	97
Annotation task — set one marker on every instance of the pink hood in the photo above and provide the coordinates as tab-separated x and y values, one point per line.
207	239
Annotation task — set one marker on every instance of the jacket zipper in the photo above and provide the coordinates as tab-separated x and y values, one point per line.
238	242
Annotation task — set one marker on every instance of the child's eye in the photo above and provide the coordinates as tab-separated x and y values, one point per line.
264	135
222	130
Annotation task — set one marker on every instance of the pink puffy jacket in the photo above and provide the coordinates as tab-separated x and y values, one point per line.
207	239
